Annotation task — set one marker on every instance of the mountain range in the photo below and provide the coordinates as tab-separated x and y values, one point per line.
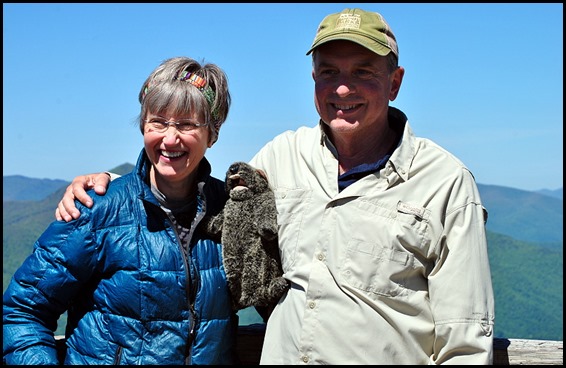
525	241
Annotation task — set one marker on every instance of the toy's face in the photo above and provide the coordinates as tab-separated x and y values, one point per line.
242	177
236	178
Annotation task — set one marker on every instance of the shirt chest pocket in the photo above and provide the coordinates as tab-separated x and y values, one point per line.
291	207
385	257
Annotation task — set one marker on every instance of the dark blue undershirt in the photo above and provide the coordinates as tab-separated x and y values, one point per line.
359	172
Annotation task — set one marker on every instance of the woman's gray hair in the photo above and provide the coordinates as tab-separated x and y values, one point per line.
180	85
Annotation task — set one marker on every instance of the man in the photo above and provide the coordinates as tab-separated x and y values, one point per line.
382	233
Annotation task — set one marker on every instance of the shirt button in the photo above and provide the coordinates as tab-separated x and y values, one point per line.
320	256
312	305
305	359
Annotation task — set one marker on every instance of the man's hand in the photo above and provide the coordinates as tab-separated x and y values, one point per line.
66	209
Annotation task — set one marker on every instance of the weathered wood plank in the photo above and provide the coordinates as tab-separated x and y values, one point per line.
506	351
528	352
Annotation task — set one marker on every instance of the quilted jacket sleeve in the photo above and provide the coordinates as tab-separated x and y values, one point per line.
41	289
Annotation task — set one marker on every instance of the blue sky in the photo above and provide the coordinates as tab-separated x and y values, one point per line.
485	81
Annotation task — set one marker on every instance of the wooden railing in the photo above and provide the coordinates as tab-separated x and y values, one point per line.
506	351
527	352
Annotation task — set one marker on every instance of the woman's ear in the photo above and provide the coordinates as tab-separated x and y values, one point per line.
211	139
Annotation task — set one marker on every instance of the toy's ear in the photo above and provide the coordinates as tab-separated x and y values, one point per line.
262	173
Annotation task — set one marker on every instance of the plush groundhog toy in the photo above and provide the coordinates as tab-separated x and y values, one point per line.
247	227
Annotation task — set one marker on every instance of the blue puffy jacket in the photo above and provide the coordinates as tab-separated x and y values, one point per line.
121	274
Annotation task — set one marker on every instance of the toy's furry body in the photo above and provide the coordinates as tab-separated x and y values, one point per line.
247	227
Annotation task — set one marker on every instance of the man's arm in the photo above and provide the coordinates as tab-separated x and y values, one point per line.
66	209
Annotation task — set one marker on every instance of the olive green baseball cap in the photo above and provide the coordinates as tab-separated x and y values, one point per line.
368	29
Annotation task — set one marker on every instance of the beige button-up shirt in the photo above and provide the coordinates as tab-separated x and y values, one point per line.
392	270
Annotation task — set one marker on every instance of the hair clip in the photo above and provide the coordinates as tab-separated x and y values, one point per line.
193	79
200	83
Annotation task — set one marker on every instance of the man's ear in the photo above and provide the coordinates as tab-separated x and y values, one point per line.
396	80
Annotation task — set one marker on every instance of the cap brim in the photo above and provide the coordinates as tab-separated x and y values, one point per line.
368	43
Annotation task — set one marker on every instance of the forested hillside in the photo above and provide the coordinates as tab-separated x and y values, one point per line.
528	286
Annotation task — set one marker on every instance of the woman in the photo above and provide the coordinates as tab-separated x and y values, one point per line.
141	283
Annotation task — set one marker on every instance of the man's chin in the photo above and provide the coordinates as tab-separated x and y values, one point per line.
341	124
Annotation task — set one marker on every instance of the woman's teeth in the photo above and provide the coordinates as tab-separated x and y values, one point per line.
172	154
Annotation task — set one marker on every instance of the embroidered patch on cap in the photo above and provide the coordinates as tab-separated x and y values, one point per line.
349	21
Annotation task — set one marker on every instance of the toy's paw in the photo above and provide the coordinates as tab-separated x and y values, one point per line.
269	234
278	287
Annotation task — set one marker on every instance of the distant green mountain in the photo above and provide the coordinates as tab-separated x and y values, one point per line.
557	193
528	216
122	169
21	188
524	238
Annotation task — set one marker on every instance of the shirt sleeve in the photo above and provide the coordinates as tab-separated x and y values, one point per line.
460	286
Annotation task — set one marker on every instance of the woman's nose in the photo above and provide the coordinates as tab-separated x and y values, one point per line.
171	136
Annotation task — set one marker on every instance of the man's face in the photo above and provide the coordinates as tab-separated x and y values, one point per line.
353	86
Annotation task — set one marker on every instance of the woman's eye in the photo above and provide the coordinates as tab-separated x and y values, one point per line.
185	126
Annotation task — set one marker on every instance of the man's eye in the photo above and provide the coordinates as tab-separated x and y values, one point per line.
364	74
